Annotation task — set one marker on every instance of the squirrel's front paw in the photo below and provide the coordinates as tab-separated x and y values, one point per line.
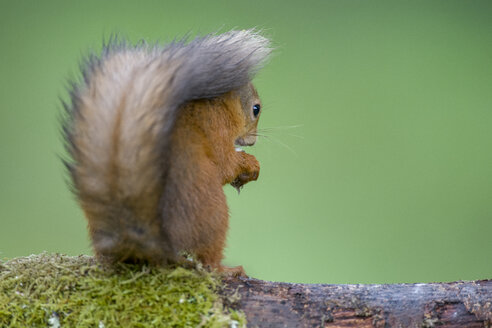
250	172
244	178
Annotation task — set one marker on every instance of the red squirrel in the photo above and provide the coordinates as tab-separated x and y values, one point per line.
151	133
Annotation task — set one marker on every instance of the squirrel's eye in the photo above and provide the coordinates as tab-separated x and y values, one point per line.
256	110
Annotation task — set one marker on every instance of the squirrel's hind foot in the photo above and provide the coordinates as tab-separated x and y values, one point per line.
237	271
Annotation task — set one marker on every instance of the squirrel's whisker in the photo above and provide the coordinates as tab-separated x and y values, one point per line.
278	128
282	127
270	138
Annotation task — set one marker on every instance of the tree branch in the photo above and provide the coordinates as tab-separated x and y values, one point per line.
76	291
272	304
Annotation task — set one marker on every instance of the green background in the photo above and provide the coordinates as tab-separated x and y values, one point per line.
384	176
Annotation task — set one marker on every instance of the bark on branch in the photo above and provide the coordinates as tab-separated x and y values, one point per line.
271	304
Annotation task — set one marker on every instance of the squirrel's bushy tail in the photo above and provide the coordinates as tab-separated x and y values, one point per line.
118	126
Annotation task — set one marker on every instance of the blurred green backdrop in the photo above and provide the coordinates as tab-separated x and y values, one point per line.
386	178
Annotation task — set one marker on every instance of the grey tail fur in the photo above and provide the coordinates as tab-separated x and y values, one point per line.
119	120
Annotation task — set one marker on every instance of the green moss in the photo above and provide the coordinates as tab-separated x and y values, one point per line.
60	291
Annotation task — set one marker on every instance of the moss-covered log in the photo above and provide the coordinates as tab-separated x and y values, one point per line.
456	304
56	291
61	291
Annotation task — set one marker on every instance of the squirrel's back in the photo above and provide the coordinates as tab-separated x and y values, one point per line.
119	124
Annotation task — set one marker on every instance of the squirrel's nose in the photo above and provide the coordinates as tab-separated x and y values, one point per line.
248	140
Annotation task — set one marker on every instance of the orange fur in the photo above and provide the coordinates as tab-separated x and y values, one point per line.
205	159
